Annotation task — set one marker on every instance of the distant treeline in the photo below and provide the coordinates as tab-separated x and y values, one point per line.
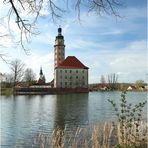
118	87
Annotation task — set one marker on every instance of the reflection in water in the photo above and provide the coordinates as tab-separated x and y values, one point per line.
23	117
71	110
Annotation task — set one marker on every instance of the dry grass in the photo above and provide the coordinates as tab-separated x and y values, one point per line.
104	135
134	136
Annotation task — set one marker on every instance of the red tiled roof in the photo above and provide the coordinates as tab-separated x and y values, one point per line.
72	62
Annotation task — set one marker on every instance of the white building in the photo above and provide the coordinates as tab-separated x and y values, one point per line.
69	72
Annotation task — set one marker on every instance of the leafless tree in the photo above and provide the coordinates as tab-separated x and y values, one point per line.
56	10
17	71
29	76
8	78
102	79
112	81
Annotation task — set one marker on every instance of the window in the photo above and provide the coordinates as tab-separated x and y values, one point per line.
70	77
83	71
61	70
70	71
82	77
65	77
65	71
76	77
61	83
76	71
65	83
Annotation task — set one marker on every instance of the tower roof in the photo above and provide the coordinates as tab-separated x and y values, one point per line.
72	62
41	72
59	36
59	31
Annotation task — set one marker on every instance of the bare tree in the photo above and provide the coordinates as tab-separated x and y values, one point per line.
102	79
56	10
3	56
29	76
8	78
112	81
17	69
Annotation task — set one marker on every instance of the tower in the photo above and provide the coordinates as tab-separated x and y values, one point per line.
59	49
41	79
41	72
69	72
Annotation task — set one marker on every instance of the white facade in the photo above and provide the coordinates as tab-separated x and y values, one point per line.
73	74
71	78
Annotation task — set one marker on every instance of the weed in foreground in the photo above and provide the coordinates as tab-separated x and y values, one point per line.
130	126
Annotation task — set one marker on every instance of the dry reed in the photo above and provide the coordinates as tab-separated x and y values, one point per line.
105	135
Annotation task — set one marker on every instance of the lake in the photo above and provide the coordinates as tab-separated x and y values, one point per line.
23	117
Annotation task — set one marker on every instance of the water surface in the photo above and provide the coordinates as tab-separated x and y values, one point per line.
23	117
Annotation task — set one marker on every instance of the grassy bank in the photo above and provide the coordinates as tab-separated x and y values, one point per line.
6	91
105	135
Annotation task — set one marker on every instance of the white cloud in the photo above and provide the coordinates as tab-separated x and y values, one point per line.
45	38
114	32
91	42
34	61
81	44
127	63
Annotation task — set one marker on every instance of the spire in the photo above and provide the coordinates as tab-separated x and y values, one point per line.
41	72
59	36
59	31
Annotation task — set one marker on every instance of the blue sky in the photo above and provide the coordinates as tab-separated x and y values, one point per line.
105	44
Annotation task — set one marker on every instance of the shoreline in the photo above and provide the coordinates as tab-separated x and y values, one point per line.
48	91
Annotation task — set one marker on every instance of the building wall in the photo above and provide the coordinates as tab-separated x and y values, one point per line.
59	52
71	78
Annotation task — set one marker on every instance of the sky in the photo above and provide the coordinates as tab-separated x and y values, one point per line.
105	44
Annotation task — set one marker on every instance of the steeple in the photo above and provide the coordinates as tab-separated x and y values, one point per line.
59	49
59	36
41	79
41	72
59	31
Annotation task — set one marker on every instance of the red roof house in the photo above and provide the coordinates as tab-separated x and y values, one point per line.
72	62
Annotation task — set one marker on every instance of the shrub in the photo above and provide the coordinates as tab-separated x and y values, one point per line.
130	129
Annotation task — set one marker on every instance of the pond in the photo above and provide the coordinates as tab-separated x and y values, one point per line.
22	117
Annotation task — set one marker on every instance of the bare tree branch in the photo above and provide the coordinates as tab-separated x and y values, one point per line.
4	57
112	81
55	10
17	69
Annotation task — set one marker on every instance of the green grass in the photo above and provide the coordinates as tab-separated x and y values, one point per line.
6	91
